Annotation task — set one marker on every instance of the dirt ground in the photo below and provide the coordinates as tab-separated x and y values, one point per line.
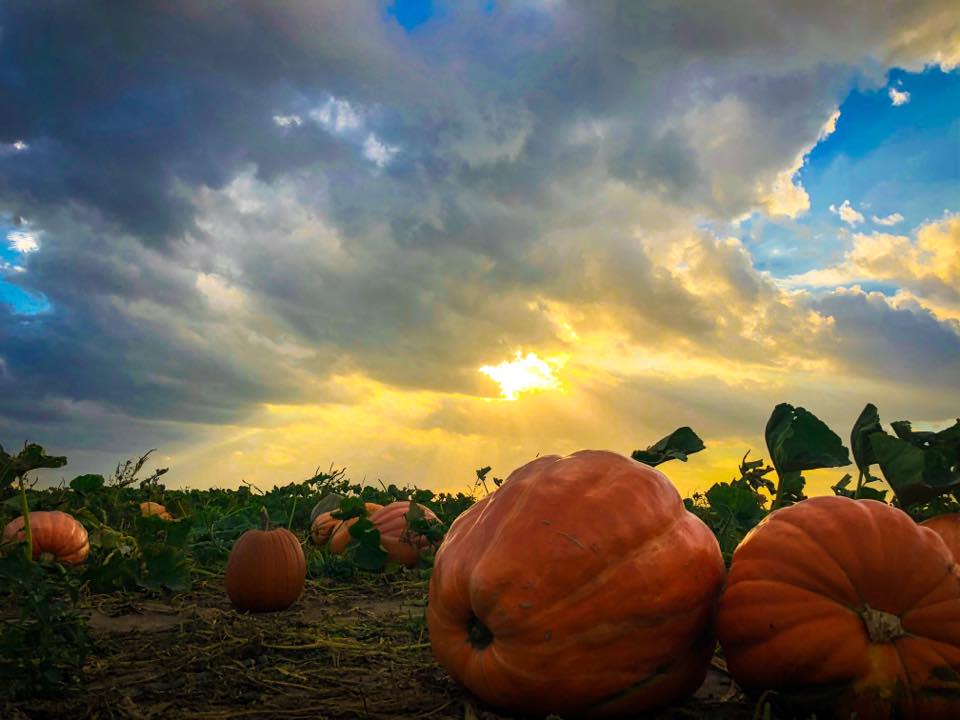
342	651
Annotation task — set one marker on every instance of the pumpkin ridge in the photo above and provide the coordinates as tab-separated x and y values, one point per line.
565	600
794	586
828	554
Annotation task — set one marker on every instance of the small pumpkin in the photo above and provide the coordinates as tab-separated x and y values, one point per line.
849	601
55	533
947	527
266	569
581	587
325	525
151	508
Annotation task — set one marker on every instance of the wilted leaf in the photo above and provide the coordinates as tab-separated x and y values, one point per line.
676	446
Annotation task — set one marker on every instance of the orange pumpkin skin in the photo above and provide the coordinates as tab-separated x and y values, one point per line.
266	570
54	532
151	508
947	527
849	600
402	547
325	525
581	587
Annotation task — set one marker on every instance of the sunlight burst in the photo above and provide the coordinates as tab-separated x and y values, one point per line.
521	374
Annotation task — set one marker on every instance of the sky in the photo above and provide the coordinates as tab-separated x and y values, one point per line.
413	239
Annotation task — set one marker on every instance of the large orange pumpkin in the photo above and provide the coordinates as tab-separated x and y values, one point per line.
325	525
55	533
582	587
266	569
151	508
947	527
849	601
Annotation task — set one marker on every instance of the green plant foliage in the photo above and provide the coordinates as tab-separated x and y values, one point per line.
676	446
43	646
798	440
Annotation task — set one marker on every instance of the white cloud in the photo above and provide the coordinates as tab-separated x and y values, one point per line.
899	97
23	242
847	213
337	116
889	220
288	120
377	151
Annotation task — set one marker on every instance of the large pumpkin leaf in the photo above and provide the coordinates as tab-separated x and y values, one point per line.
32	457
798	440
919	466
676	446
86	484
367	551
165	566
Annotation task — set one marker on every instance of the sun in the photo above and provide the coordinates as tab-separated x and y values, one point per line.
523	373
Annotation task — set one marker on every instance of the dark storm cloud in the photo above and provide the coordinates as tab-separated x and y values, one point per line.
119	100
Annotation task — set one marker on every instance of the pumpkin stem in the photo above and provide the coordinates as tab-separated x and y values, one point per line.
265	517
882	627
478	634
25	511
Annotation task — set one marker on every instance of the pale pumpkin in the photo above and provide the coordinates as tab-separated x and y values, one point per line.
581	587
54	533
148	509
849	601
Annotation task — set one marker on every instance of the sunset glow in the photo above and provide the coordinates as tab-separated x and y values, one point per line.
418	238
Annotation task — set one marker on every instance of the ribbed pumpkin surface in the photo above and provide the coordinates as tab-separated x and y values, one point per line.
851	600
325	525
947	527
266	570
402	546
53	532
581	587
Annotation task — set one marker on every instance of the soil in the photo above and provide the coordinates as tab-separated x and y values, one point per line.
342	651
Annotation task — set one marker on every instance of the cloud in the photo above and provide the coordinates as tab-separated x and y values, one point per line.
377	151
889	220
927	265
847	213
239	210
899	97
288	120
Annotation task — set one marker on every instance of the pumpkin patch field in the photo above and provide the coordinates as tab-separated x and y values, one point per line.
574	586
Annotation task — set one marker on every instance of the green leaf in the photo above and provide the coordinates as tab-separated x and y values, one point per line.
367	551
676	446
798	440
351	507
165	566
87	483
866	424
32	457
917	473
